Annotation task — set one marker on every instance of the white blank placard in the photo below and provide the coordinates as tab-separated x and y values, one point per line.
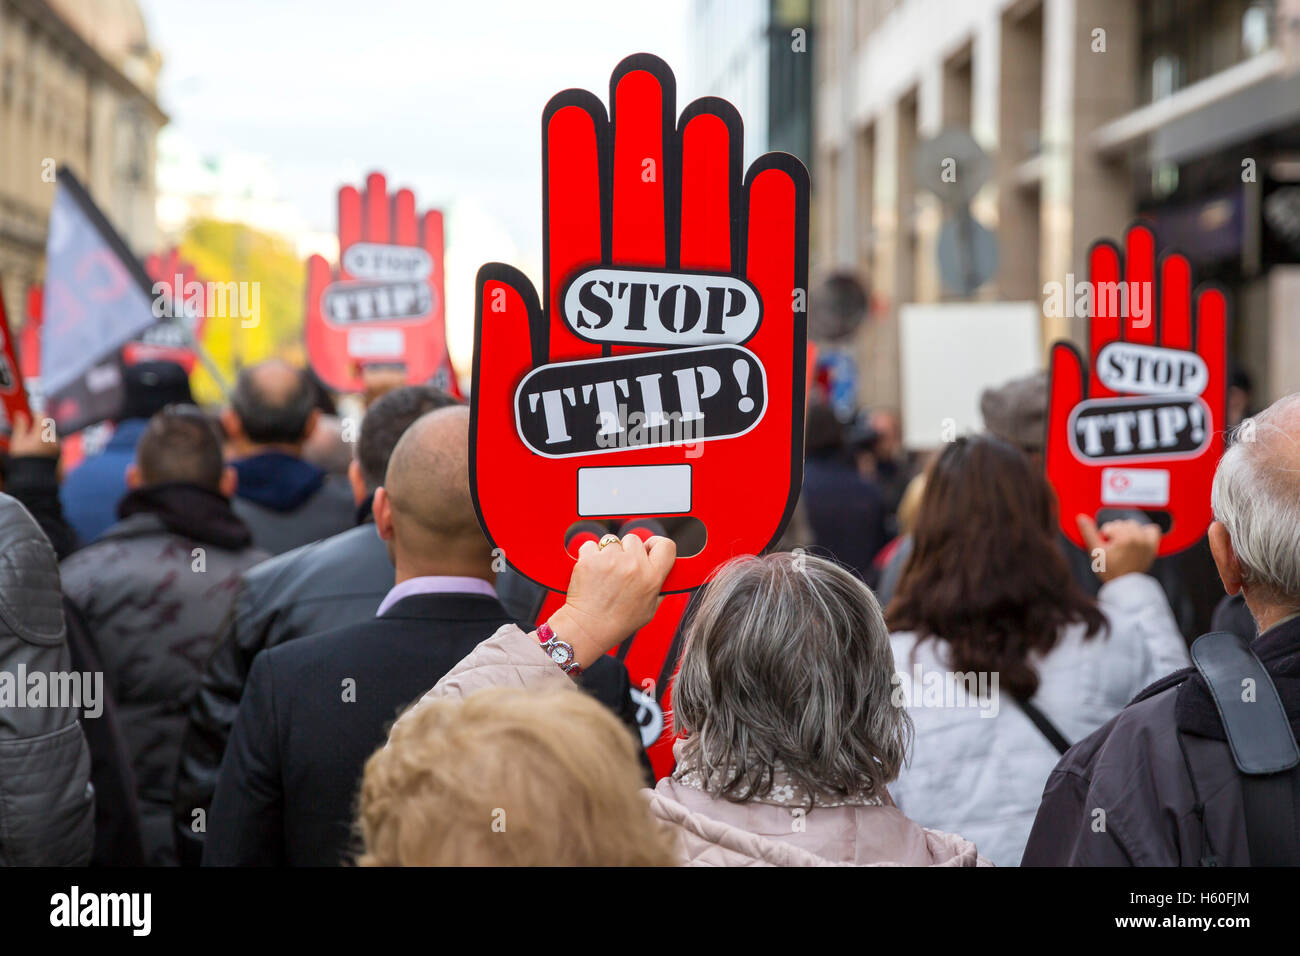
950	353
634	490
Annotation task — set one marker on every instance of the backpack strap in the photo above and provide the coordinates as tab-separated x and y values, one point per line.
1258	730
1045	726
1272	826
1262	744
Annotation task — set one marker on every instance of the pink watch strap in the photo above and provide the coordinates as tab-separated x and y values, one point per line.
545	635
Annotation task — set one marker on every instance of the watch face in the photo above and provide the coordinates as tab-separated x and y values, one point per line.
561	654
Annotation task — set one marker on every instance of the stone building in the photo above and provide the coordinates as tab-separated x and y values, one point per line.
1093	112
78	86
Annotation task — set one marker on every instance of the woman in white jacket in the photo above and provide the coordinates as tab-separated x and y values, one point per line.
1002	659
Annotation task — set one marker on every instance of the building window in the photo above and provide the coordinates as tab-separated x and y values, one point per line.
1257	28
1186	41
1166	77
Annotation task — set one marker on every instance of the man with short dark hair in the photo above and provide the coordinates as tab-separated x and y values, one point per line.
181	445
330	583
284	499
154	590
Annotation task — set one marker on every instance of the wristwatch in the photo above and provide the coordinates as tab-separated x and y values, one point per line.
559	651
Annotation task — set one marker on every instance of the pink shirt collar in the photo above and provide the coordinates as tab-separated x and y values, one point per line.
435	584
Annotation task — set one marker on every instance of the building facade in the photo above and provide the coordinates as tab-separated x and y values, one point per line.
78	87
758	54
1092	113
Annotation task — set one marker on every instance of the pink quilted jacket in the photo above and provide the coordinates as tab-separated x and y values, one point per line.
715	832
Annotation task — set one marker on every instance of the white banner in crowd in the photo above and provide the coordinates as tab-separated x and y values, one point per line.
950	353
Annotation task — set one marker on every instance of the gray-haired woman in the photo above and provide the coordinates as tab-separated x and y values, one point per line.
789	733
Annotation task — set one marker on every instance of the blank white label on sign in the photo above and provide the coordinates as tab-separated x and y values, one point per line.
1135	486
634	490
950	353
376	343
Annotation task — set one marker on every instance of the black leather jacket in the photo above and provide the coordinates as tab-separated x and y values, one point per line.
47	804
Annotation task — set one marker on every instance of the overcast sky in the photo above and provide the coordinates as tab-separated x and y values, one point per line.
445	97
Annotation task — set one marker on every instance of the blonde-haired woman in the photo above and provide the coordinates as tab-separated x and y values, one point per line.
509	777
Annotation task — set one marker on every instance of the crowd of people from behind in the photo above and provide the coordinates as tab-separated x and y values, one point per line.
311	655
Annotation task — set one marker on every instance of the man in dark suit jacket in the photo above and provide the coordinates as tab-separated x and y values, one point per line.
315	709
328	584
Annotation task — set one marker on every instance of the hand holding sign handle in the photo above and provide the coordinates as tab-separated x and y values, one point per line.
1145	429
666	208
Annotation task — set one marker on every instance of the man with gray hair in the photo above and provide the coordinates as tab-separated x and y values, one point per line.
1163	783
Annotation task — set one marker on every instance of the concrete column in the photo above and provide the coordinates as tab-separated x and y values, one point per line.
1090	61
1284	335
1020	114
877	340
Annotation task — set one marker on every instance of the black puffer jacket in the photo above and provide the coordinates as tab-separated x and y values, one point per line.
47	806
155	614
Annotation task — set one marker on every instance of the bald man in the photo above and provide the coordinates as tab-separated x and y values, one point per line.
315	709
285	500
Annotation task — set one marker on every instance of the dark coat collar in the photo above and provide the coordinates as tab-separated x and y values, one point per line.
277	481
447	607
187	510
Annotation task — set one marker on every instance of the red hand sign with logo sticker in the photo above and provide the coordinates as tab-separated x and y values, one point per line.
1144	430
384	306
184	299
662	372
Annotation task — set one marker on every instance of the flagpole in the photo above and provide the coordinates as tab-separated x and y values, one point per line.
205	359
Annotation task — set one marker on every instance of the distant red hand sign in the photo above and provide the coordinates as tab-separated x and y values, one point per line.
664	374
385	305
1148	432
184	300
13	397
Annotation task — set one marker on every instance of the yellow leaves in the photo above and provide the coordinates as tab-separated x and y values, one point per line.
232	252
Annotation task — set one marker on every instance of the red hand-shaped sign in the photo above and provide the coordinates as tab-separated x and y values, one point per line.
1148	432
185	300
662	374
385	305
